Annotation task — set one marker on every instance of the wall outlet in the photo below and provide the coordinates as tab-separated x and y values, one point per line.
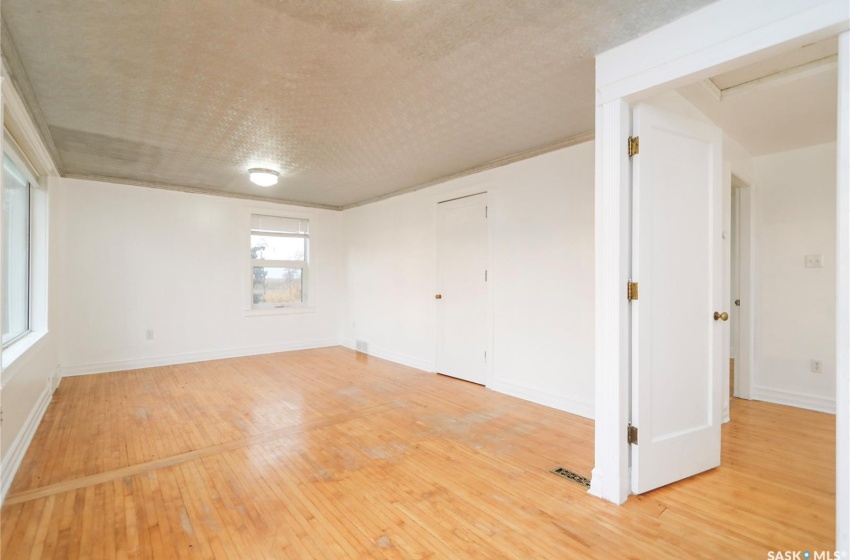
817	366
149	334
814	261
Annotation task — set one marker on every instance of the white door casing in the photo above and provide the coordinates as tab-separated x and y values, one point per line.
745	291
677	345
735	277
462	287
724	35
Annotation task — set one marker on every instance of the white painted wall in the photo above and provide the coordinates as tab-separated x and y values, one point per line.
795	306
541	244
29	381
177	263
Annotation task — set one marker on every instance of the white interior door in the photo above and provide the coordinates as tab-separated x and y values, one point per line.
462	288
676	341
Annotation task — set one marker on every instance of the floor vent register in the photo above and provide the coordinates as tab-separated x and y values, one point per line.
570	475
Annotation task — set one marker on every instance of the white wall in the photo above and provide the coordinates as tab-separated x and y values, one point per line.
541	226
795	306
177	263
28	382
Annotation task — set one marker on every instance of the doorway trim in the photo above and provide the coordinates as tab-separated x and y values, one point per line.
484	187
722	36
440	287
744	373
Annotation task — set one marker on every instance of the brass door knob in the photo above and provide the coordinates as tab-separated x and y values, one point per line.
721	316
438	296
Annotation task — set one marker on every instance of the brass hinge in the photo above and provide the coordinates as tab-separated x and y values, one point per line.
632	290
631	435
634	146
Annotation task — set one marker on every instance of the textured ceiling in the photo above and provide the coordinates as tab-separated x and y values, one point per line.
352	99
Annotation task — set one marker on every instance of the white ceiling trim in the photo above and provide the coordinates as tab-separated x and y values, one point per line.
798	72
23	132
197	190
715	92
648	65
24	108
513	158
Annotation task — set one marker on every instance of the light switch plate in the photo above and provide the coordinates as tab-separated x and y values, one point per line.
814	261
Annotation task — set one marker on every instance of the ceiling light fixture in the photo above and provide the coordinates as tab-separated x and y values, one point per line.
263	177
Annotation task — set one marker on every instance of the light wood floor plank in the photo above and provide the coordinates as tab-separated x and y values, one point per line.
330	454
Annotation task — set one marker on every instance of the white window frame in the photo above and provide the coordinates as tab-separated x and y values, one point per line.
37	261
21	167
307	305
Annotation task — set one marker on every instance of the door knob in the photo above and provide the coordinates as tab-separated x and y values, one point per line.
438	296
721	316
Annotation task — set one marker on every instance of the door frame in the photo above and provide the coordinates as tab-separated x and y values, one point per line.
734	184
471	190
744	363
720	37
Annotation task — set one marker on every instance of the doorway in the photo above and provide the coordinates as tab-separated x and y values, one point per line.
696	47
688	231
461	295
741	297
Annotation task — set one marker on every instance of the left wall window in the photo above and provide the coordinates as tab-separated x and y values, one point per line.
15	252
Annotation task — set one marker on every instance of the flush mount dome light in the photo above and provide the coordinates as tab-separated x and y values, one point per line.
263	177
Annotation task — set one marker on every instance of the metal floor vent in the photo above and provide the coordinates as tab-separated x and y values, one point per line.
570	475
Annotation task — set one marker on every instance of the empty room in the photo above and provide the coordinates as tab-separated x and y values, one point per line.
408	279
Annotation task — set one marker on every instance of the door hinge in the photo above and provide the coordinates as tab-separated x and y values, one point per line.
485	211
485	275
634	146
485	356
632	290
631	435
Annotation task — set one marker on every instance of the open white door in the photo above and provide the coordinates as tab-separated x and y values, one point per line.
462	288
676	341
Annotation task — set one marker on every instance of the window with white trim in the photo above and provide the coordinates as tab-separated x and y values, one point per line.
15	252
280	249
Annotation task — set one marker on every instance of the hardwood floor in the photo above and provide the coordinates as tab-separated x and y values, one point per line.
331	454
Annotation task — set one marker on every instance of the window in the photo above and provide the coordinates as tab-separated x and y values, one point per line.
280	250
15	251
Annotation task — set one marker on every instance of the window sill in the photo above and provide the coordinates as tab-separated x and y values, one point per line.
21	347
279	311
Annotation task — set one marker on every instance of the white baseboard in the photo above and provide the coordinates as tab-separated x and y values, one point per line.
541	397
526	393
809	402
22	441
124	365
403	359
